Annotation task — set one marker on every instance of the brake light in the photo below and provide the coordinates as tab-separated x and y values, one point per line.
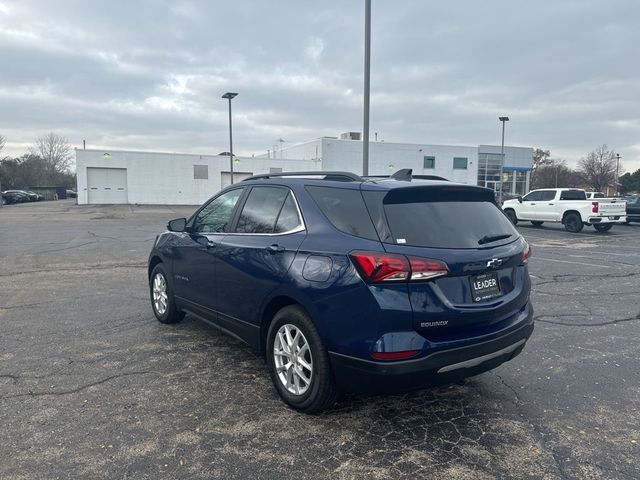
425	269
526	253
594	208
389	267
394	355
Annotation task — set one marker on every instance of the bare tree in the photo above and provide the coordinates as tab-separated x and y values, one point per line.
598	168
55	151
555	174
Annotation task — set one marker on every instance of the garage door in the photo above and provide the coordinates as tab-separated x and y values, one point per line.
237	177
107	185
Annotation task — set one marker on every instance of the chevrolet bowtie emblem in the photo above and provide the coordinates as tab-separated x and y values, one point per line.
494	263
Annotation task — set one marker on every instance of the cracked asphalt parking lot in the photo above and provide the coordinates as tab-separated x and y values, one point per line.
92	386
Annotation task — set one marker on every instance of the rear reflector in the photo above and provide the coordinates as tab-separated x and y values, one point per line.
526	253
394	355
390	267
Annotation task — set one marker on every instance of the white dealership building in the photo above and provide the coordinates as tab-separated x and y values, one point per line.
135	177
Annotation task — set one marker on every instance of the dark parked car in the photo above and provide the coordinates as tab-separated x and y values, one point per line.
72	194
344	283
15	196
633	209
34	197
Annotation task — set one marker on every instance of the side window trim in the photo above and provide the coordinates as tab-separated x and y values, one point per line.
243	199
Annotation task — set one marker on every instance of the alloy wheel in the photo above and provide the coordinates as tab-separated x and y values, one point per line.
160	297
292	358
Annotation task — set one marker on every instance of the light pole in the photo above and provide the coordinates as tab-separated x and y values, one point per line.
617	170
503	120
367	78
229	96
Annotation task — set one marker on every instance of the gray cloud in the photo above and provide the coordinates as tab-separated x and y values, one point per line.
149	74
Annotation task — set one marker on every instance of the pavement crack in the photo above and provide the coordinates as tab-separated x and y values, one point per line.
77	269
80	388
540	318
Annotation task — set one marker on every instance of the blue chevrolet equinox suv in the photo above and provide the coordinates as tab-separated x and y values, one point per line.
351	283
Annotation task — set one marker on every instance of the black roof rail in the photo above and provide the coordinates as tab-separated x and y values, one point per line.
406	175
430	177
327	175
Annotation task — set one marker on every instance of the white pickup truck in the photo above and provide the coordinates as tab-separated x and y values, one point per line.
568	206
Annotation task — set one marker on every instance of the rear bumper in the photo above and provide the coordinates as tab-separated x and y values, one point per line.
445	366
608	219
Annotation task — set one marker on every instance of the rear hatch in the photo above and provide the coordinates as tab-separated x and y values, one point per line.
487	281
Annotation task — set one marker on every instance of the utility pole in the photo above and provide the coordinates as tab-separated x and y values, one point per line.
617	172
367	82
503	120
230	96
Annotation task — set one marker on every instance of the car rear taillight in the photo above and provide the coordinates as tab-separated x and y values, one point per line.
594	207
390	267
425	269
526	253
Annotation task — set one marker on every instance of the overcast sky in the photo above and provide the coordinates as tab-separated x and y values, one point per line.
149	74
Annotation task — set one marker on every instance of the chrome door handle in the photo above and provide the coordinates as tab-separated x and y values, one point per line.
551	204
211	244
532	203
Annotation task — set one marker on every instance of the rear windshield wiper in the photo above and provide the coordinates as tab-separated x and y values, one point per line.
493	238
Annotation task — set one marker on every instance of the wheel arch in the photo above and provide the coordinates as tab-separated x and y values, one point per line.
153	261
273	306
564	215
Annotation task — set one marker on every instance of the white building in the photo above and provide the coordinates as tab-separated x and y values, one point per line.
114	176
471	165
109	176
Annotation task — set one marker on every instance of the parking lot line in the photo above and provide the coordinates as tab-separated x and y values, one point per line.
568	261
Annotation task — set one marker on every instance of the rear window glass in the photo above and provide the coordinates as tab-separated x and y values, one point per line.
345	209
454	224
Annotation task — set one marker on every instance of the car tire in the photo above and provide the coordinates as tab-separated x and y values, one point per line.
536	223
573	223
511	215
162	300
603	227
313	389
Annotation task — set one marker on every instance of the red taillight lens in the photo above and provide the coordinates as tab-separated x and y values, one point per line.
394	355
381	267
425	269
594	207
526	253
389	267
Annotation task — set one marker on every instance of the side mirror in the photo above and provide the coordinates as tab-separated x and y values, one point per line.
519	199
177	225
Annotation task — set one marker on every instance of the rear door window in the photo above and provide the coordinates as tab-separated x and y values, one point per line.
260	211
573	195
449	224
345	209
